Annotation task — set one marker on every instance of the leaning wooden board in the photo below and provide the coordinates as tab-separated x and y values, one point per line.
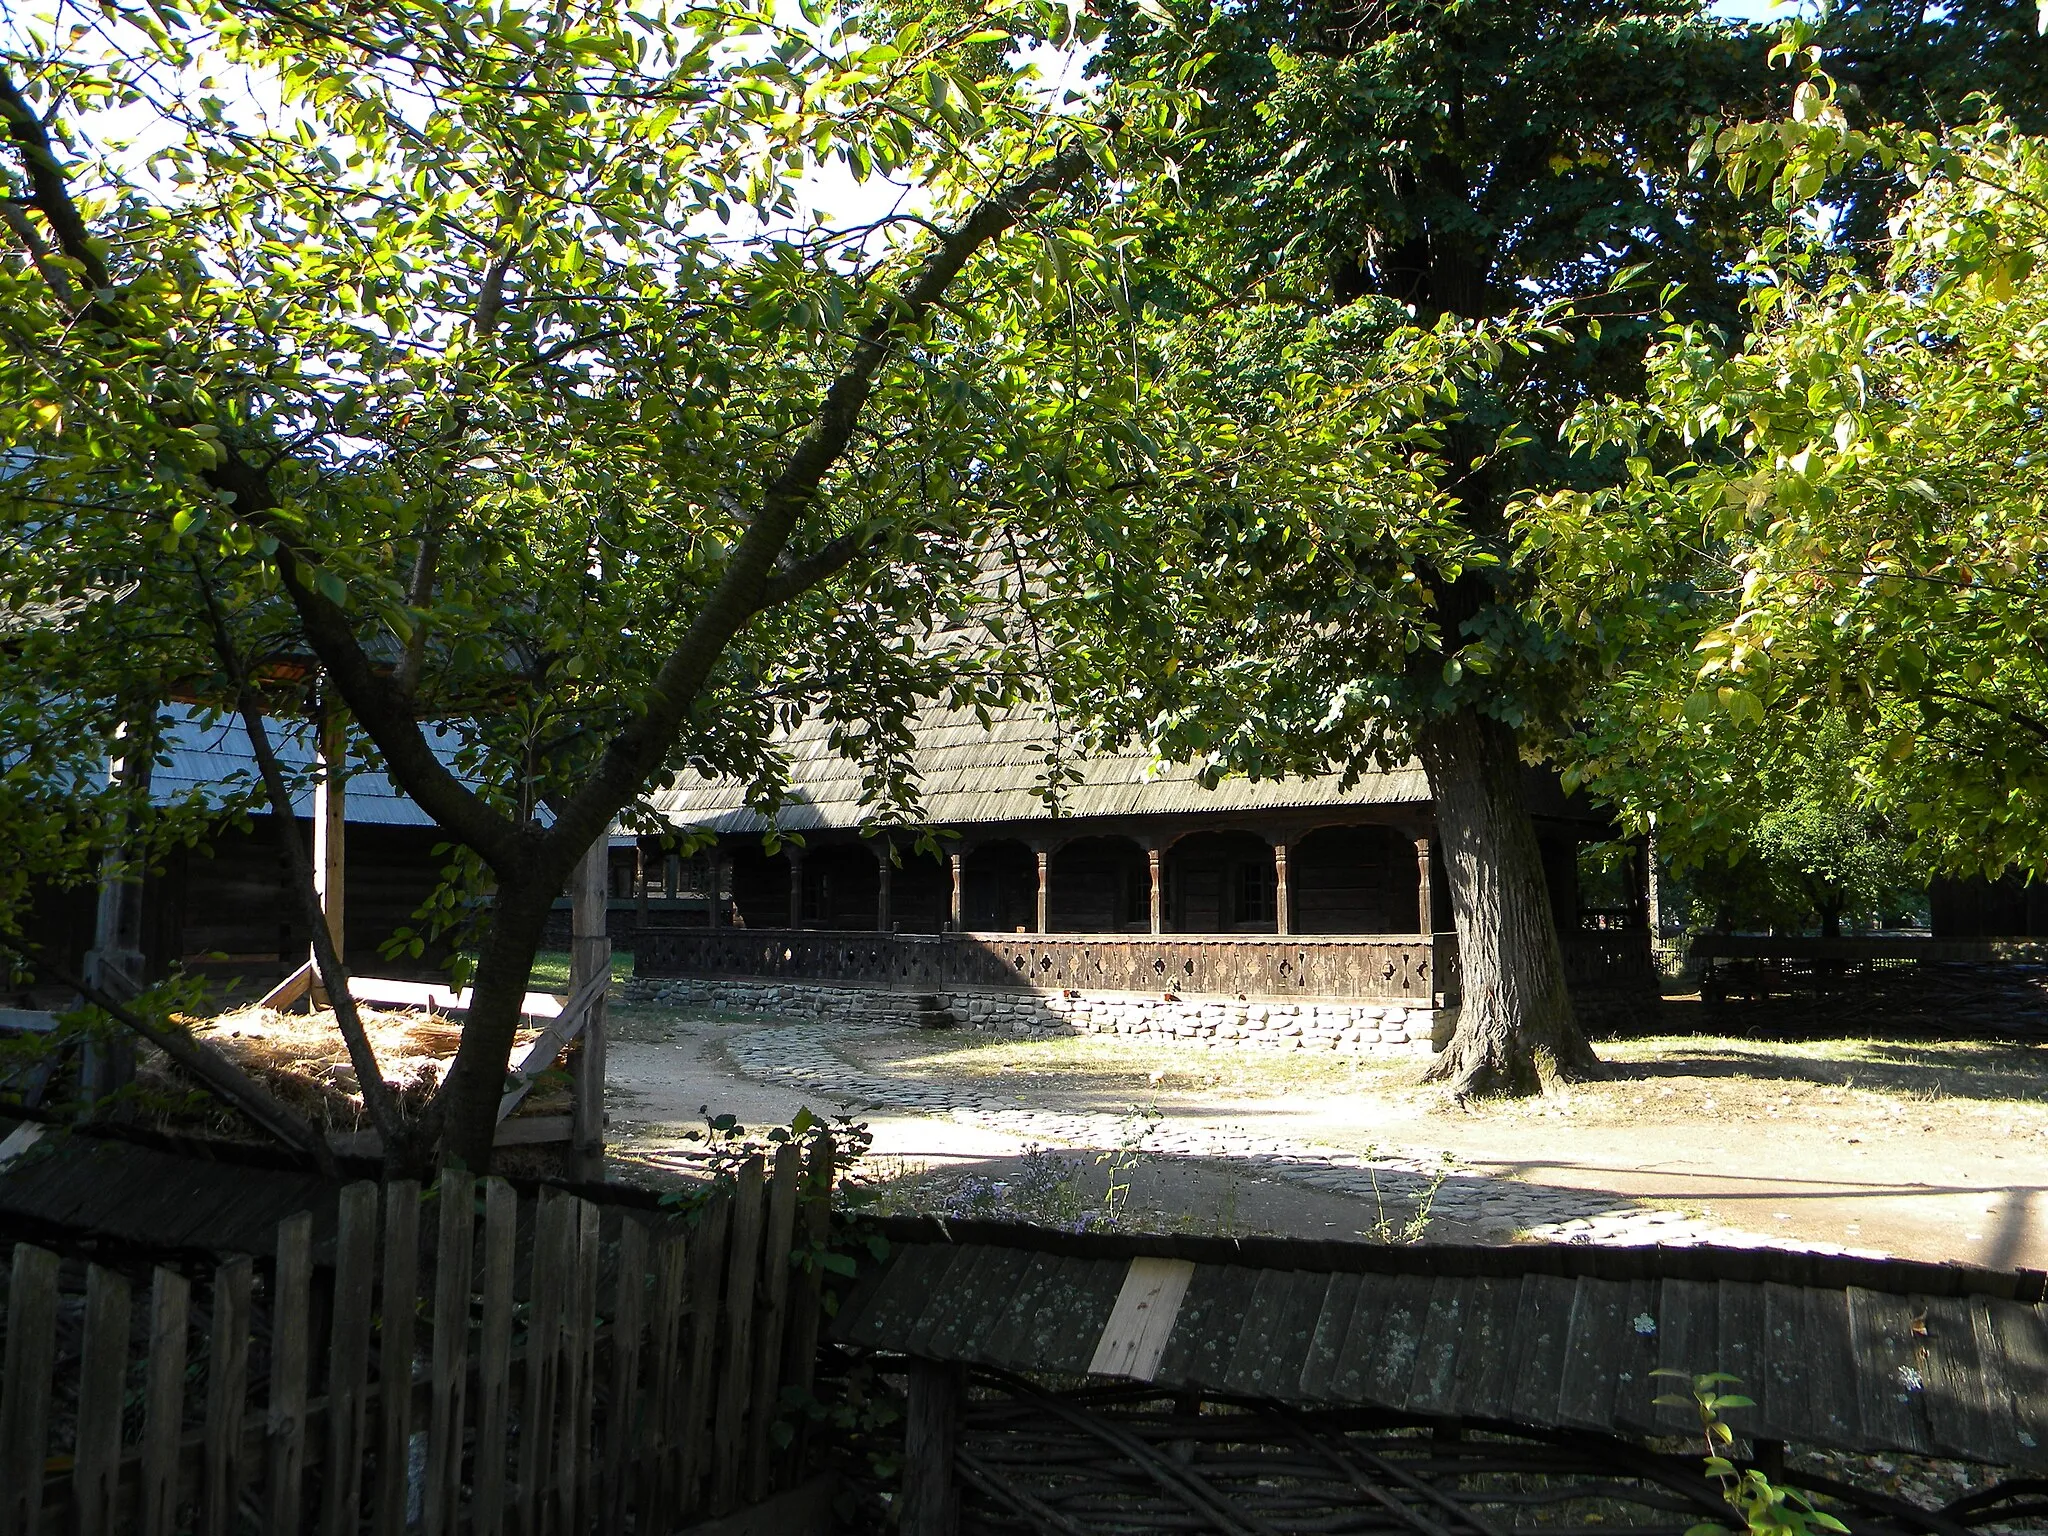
1856	1368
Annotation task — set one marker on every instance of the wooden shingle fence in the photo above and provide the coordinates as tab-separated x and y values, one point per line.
472	1361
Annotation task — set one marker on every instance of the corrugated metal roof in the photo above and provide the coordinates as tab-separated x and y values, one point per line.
969	773
210	754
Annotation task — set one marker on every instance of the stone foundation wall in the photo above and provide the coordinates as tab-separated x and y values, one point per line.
1376	1029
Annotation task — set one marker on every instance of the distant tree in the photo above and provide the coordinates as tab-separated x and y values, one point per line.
483	360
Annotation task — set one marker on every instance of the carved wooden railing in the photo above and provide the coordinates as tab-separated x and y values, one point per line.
1371	967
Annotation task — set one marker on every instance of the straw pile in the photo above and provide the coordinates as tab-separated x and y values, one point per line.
301	1058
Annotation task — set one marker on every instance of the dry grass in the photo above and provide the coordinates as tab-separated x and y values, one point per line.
301	1058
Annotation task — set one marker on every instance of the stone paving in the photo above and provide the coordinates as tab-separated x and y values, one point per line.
805	1056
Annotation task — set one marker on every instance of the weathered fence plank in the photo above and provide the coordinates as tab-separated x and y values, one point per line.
743	1263
494	1359
227	1390
102	1386
690	1439
622	1399
452	1260
25	1382
348	1361
163	1417
579	1350
537	1408
290	1350
397	1339
774	1288
654	1447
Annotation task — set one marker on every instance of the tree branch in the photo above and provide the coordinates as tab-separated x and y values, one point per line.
49	187
378	1098
793	578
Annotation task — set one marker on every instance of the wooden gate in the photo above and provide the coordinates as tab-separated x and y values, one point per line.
470	1361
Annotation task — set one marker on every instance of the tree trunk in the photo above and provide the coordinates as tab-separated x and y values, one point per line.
468	1100
1516	1031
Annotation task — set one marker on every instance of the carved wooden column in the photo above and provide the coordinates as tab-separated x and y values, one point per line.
590	956
796	886
882	883
639	885
1044	891
1425	902
671	875
1282	913
714	874
958	862
1153	857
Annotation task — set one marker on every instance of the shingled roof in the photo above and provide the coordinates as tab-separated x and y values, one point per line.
969	773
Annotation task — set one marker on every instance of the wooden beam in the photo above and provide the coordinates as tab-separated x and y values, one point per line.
796	886
883	870
931	1503
1425	901
590	971
1044	890
1282	918
1153	858
541	1052
330	823
958	864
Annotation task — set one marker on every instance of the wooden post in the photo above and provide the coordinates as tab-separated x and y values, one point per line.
330	821
1154	857
714	878
1044	891
590	956
115	962
796	886
639	885
671	875
931	1426
1425	903
884	870
958	861
1282	917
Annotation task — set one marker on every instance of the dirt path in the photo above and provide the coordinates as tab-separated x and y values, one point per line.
1932	1151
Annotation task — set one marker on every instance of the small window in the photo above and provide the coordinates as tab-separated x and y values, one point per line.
1254	893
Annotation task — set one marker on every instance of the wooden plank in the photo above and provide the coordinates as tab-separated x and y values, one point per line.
1135	1336
1400	1337
348	1360
227	1390
291	1327
397	1340
1784	1408
2022	1346
102	1389
1361	1338
1688	1340
25	1387
1542	1334
541	1051
1830	1369
291	990
1064	1333
579	1369
958	1298
1635	1388
1596	1342
962	1334
1248	1366
690	1438
546	1290
800	1351
667	1322
1319	1365
418	994
1484	1386
622	1383
454	1256
1434	1386
163	1416
1003	1343
2000	1399
895	1305
1965	1417
1891	1402
1743	1349
736	1353
494	1361
773	1322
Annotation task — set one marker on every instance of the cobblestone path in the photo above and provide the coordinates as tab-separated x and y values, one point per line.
806	1056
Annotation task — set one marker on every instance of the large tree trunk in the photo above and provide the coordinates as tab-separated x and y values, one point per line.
1516	1031
468	1100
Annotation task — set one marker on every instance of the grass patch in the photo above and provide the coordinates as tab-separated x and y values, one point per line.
550	971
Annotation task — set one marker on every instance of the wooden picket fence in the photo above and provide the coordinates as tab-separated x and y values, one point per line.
537	1367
